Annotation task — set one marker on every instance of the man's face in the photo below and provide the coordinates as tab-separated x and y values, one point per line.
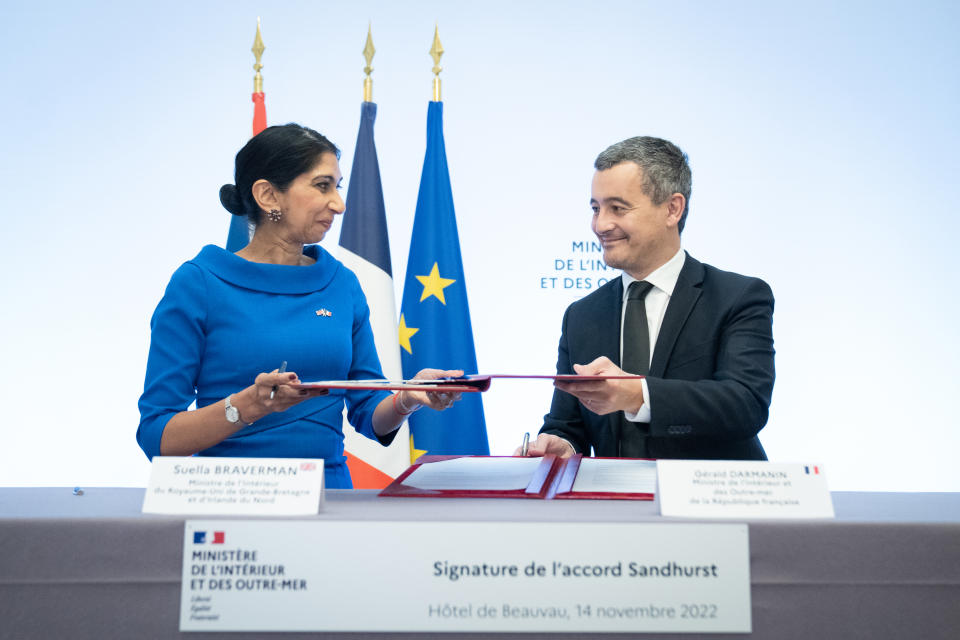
637	235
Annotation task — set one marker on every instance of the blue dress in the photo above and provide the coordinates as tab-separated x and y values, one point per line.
223	320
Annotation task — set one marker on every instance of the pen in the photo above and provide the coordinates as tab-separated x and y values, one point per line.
283	369
526	443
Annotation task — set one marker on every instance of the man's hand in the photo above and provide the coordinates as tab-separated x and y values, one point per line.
605	396
547	443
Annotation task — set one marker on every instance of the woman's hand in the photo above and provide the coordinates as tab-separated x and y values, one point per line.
437	400
189	432
270	393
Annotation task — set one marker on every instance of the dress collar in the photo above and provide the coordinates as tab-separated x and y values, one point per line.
272	278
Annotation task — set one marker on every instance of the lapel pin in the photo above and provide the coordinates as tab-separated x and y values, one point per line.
324	313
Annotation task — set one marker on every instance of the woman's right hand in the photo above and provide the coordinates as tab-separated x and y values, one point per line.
257	397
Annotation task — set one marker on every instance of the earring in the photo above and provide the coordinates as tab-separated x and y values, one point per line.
274	215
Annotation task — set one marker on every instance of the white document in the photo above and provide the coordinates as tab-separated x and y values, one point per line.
587	578
598	475
473	474
234	486
738	490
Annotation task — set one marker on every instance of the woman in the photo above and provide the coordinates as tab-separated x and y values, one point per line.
226	319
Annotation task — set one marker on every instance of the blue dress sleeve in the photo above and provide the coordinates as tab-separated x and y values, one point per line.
177	337
365	365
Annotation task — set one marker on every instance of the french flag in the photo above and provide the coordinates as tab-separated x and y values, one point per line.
365	250
811	470
200	537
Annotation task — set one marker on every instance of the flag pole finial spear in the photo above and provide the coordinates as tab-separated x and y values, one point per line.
437	52
257	50
368	51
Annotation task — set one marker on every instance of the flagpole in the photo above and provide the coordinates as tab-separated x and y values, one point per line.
364	248
368	51
435	329
240	230
259	109
436	51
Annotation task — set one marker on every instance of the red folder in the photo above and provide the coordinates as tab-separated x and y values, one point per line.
465	384
540	483
553	478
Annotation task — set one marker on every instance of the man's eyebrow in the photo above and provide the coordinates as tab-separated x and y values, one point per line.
613	200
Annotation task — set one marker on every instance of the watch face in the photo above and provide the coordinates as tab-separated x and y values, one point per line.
233	415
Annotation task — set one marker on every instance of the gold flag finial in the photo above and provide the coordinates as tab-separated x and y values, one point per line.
257	50
437	52
368	51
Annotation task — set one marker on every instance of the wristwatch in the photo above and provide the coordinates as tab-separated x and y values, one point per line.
233	414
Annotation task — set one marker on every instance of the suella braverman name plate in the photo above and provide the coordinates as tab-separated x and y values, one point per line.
234	486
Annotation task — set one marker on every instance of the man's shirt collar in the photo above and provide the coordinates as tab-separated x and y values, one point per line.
664	277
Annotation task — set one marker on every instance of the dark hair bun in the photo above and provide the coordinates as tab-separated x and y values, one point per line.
230	199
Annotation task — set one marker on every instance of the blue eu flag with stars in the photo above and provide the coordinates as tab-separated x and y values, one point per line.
434	327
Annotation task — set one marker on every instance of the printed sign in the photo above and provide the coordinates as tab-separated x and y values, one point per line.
309	575
234	486
734	489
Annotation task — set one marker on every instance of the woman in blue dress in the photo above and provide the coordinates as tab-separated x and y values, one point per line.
227	319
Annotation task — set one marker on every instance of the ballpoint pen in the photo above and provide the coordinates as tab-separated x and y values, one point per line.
283	369
526	444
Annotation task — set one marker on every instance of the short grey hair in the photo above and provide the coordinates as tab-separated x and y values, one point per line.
665	167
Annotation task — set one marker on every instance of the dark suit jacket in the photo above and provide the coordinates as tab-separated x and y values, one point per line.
710	379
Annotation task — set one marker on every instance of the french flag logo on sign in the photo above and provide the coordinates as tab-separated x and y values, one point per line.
308	466
811	470
200	537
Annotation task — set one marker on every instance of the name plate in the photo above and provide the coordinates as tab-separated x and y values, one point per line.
732	489
310	575
234	486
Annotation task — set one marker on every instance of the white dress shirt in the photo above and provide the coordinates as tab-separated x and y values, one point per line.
664	280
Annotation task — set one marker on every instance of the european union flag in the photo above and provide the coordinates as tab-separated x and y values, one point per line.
435	328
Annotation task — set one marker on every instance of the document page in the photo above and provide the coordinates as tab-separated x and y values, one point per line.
597	475
474	474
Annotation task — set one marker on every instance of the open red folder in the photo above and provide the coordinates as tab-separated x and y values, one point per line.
465	384
523	477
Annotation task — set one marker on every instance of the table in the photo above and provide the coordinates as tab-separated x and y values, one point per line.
93	566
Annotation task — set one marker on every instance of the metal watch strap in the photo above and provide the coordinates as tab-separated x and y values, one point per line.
227	406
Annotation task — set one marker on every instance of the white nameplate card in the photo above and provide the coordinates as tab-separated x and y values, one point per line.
736	489
234	486
313	575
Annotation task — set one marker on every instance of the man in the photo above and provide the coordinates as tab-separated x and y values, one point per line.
702	337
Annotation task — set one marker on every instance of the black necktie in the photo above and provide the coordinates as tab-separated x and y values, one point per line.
636	336
632	436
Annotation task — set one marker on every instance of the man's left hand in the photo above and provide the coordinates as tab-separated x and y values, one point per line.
605	396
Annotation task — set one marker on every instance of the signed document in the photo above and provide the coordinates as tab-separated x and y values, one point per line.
475	474
615	475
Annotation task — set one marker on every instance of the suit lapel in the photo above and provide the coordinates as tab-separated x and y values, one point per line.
685	296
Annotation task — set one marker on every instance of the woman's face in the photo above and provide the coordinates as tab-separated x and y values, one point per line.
311	202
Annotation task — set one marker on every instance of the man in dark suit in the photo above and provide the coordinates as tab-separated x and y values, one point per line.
702	337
